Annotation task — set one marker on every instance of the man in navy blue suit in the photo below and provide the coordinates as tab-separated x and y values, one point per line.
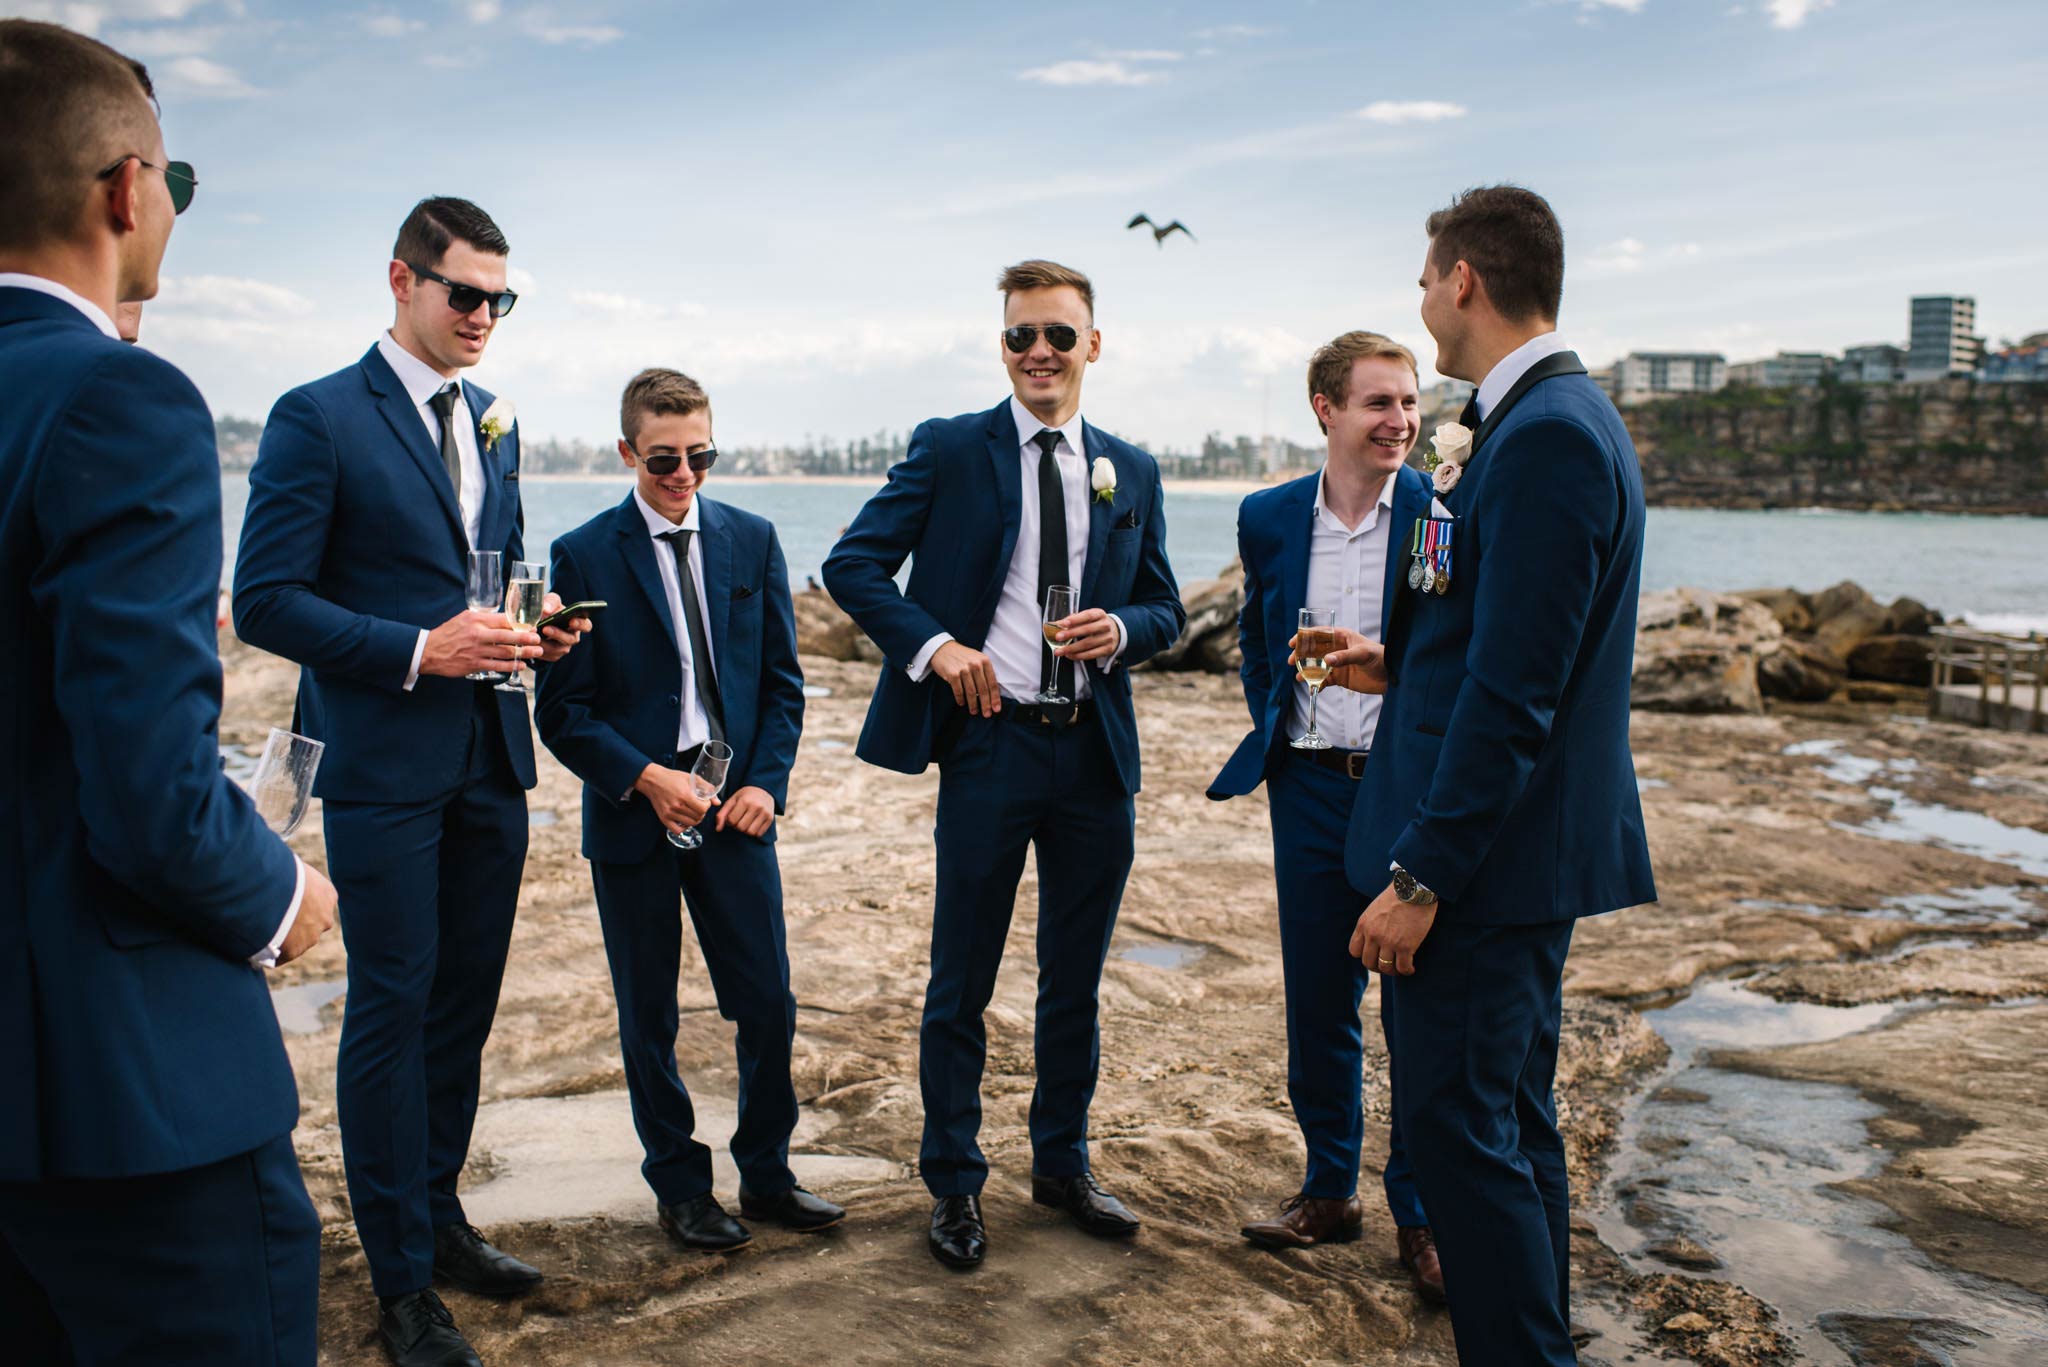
698	646
1500	804
993	509
1334	542
151	1208
370	488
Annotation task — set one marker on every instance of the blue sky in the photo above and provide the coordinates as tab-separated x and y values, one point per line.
805	205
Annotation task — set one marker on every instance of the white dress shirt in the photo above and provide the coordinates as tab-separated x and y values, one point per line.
1347	569
695	727
92	311
422	382
1016	634
1514	366
265	957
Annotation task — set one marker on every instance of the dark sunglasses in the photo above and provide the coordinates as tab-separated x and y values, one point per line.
178	179
465	298
1059	337
668	462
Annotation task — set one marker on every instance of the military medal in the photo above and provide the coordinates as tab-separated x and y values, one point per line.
1429	554
1415	553
1443	558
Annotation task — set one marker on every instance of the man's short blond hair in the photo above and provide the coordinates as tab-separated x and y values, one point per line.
1329	370
656	392
1045	275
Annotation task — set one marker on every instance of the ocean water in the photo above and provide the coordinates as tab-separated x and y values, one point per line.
1992	570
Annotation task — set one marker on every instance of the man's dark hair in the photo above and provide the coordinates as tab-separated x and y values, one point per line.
70	105
436	223
1512	240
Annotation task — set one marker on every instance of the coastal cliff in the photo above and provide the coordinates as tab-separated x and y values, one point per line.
1952	446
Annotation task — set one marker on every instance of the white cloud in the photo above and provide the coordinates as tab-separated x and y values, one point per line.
1089	73
627	306
391	25
1628	6
1146	54
1793	13
538	23
199	76
225	309
483	11
87	18
1629	255
1220	31
1411	111
153	43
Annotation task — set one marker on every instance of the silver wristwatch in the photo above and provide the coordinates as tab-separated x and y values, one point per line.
1410	891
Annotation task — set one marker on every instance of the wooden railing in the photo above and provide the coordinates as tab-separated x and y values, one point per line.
2015	668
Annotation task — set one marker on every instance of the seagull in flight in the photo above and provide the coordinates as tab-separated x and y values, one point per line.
1159	233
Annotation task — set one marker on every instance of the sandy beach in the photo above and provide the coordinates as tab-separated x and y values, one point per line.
1835	858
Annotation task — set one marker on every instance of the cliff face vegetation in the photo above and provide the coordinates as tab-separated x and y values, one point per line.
1952	446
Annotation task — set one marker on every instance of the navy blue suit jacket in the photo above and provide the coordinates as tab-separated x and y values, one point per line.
1274	527
610	707
1501	776
351	544
135	878
952	506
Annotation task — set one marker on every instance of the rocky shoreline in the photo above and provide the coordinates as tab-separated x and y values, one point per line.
1780	860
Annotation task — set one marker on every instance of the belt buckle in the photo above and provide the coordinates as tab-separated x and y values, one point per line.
1354	764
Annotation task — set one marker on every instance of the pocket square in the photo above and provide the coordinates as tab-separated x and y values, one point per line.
1437	509
742	592
512	474
1127	521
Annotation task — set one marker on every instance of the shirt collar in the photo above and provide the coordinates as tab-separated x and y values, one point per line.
41	285
657	525
421	380
1028	426
1385	500
1514	366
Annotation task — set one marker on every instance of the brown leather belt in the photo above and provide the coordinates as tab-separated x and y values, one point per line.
1350	763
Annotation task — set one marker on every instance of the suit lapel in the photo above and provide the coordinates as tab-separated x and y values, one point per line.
1411	500
637	548
1007	466
712	535
1297	529
1102	513
398	410
475	401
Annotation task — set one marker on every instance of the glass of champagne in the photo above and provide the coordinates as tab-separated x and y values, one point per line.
707	780
282	785
486	590
526	588
1059	605
1316	637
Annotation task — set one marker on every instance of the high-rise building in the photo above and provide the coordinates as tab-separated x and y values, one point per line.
1943	339
1878	363
1657	374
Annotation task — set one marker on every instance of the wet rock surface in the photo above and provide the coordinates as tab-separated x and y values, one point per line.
1790	866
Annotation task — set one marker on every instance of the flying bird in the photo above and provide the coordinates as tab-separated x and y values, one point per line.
1159	233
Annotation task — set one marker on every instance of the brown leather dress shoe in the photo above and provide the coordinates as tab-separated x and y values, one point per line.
1418	1255
1306	1221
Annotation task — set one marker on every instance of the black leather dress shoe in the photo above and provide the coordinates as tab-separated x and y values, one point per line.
958	1237
417	1331
792	1209
464	1261
701	1223
1093	1209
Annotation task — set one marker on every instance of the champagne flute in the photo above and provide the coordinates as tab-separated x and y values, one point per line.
707	780
282	785
1059	605
1315	638
524	594
484	593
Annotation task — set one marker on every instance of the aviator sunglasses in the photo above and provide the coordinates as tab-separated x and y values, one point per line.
178	178
667	462
465	298
1058	336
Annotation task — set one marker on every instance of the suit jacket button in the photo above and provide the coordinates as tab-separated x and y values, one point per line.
674	700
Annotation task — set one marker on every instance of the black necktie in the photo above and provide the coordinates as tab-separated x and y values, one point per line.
444	402
1054	673
693	619
1470	416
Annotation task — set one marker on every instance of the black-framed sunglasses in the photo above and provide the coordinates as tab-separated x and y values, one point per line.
1059	337
464	298
667	463
178	178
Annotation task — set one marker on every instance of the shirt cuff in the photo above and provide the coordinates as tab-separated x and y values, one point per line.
921	663
1123	638
266	957
419	653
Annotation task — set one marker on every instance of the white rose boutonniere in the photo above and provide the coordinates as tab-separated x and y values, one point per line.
1102	479
1446	475
496	422
1452	443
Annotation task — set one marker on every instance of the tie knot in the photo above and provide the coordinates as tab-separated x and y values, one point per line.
1048	439
444	399
679	537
